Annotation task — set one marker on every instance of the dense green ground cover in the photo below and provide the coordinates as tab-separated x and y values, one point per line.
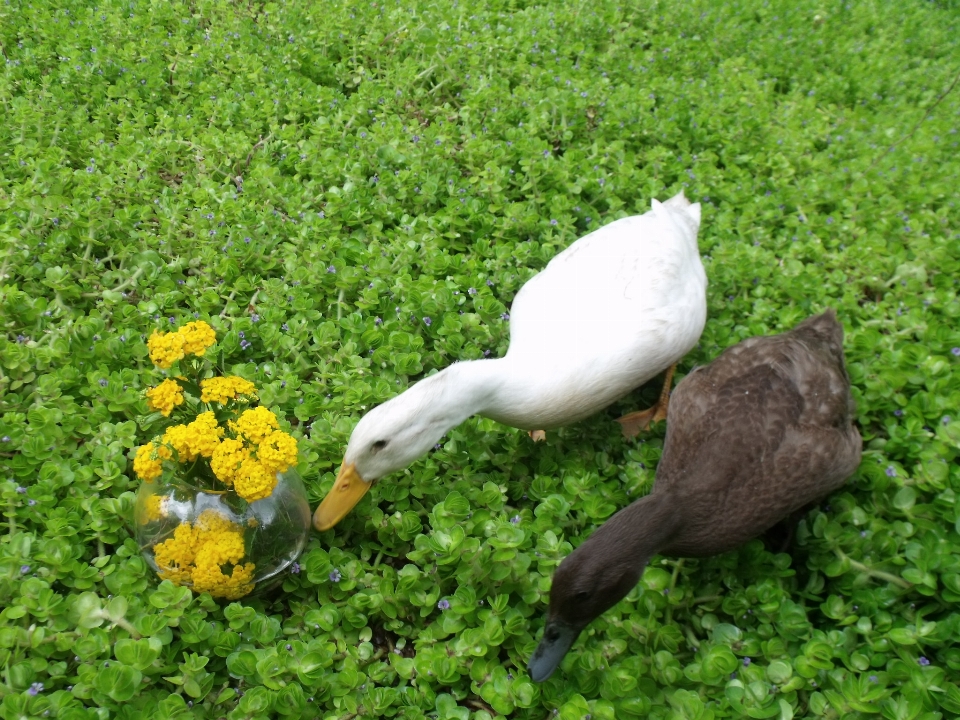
352	192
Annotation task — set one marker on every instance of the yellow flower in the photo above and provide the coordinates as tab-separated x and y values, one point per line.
253	481
277	451
223	389
196	553
256	423
198	439
227	458
192	339
165	397
165	348
206	434
148	462
197	337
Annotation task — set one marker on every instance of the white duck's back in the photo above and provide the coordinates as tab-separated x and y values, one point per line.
608	313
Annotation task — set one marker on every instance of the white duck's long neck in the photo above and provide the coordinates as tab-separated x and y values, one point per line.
463	389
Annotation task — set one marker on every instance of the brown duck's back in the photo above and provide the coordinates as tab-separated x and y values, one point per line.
762	431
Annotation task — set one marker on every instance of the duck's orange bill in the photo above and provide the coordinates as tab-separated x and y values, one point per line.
345	493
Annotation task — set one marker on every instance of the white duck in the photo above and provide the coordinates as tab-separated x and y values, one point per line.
617	307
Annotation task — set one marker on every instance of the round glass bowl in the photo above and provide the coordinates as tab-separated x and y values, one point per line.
214	541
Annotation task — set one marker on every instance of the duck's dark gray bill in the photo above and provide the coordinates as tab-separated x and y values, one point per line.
557	639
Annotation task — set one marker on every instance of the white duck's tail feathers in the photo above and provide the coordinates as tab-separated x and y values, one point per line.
680	210
678	200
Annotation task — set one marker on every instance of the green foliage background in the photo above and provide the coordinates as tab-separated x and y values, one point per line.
319	179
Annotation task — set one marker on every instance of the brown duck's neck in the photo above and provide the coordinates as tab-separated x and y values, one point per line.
637	533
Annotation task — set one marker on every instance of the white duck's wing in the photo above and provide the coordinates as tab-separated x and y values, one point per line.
634	283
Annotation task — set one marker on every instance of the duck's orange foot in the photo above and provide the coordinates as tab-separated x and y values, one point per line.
537	435
632	423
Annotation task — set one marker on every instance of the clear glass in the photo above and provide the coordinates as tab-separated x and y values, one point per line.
214	541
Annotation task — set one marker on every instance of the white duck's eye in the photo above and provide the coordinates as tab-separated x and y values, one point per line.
378	445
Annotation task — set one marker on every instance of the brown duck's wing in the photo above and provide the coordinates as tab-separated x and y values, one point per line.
810	356
746	447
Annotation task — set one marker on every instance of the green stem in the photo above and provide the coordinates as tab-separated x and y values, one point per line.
673	583
125	624
878	574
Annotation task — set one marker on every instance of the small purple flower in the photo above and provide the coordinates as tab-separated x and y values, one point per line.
246	240
24	569
285	327
377	321
335	575
245	344
955	351
923	661
31	502
489	283
515	519
472	291
21	490
427	321
444	604
5	438
295	568
35	689
505	316
873	679
486	353
829	221
331	269
891	471
946	420
553	222
254	317
746	662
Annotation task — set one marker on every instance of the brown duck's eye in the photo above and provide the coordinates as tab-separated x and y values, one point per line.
379	445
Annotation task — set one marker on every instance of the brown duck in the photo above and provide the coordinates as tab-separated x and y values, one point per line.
756	435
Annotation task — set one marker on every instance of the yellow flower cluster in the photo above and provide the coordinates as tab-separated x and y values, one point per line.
233	461
192	339
198	439
277	451
256	423
197	337
223	389
165	397
196	553
254	481
227	458
148	462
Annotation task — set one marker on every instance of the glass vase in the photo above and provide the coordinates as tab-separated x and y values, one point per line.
214	541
